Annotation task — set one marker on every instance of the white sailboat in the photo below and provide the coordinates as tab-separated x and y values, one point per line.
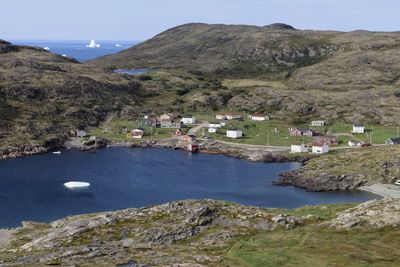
93	44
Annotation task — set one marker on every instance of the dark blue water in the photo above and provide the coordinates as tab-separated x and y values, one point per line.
32	187
78	49
132	71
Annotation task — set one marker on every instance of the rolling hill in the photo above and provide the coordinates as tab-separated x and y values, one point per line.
293	74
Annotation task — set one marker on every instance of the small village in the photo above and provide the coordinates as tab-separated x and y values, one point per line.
188	129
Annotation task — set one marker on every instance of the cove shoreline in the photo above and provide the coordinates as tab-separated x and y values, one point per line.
241	151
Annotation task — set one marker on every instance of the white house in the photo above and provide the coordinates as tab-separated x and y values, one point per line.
214	125
358	128
318	123
233	116
212	130
320	148
137	133
299	148
234	133
188	119
259	117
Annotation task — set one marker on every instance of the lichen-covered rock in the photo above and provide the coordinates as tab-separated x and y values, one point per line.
374	213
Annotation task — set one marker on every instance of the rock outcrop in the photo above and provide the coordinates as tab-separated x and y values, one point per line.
146	235
348	170
374	213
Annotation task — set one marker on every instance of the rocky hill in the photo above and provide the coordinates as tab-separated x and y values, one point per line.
43	96
296	74
211	233
347	170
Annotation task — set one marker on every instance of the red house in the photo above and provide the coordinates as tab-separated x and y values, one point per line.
328	140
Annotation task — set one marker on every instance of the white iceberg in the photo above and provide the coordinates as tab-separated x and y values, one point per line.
93	44
72	185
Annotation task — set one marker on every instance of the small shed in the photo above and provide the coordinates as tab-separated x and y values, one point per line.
234	133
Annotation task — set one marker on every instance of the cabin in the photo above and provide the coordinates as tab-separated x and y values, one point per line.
220	117
212	130
318	123
355	143
320	148
81	134
167	116
137	133
188	119
233	116
171	124
234	133
329	140
259	117
293	131
298	148
358	129
214	125
393	141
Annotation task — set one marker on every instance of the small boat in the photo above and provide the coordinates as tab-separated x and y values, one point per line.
57	152
72	185
118	45
46	48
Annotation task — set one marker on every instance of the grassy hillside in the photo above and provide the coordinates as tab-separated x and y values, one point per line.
293	74
44	96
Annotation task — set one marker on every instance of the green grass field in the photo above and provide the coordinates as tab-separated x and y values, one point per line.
264	133
316	245
113	130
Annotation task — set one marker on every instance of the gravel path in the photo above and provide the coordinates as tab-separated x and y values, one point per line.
385	190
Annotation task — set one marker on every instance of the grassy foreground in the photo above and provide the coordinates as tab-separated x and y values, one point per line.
319	246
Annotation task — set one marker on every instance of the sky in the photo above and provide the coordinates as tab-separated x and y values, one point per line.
138	20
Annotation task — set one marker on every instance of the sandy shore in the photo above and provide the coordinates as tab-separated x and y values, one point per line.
385	190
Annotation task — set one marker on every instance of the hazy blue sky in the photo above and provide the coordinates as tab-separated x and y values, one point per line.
141	19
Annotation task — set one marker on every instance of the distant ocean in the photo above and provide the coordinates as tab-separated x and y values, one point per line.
78	49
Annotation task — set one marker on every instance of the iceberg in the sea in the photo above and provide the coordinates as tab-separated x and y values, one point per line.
93	44
72	185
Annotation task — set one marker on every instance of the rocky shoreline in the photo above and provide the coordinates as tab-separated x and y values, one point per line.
159	235
322	182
